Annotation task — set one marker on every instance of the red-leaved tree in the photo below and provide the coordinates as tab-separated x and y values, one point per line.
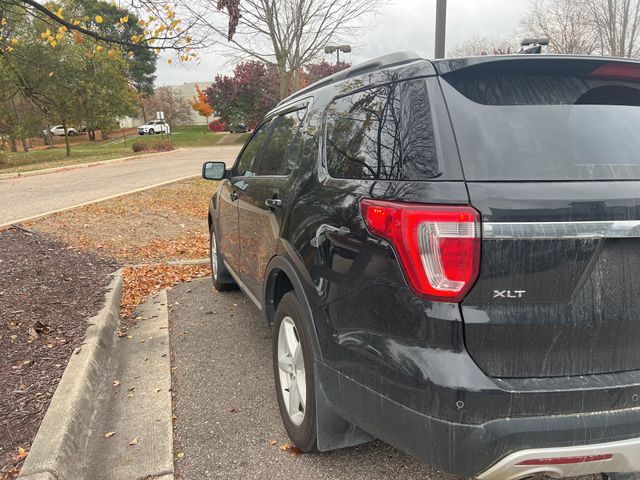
254	89
317	71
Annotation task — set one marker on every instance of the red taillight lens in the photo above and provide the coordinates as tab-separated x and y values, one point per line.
567	460
618	71
438	246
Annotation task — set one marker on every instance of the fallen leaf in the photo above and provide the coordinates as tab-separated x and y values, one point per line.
157	390
115	383
180	455
232	410
134	441
272	442
109	434
285	447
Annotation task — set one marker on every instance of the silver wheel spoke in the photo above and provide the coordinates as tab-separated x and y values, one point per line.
294	399
285	363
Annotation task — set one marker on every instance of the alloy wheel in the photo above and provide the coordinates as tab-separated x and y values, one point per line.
293	386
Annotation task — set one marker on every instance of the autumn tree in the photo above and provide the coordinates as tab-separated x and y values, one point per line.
287	33
200	104
314	72
81	81
247	95
165	99
121	24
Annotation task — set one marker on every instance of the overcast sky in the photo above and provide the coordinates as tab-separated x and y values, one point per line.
401	25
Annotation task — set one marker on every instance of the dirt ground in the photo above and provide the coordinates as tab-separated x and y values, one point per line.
43	319
165	223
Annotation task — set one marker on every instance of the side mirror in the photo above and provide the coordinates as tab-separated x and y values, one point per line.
214	170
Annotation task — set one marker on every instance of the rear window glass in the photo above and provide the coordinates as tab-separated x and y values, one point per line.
536	125
382	133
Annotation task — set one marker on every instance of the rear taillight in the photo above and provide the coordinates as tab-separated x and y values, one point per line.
438	246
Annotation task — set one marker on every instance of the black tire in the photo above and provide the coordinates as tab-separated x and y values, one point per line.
220	276
140	133
71	134
151	131
303	435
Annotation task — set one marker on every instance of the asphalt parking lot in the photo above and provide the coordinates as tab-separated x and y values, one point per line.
226	414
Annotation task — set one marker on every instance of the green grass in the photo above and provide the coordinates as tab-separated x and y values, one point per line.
183	137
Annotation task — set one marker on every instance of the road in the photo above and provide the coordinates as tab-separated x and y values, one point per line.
225	405
29	196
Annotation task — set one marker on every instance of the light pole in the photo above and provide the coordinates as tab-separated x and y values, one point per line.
337	49
441	27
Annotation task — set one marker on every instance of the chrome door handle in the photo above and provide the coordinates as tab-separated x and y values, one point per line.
273	202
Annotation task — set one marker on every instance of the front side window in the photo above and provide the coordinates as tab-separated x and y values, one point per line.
249	157
382	133
282	144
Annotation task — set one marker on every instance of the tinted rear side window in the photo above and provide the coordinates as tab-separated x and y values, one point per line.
382	133
283	144
546	120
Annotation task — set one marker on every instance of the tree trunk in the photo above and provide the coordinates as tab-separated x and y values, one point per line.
25	144
14	145
66	140
104	135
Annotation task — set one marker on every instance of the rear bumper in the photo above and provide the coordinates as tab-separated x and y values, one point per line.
623	456
492	449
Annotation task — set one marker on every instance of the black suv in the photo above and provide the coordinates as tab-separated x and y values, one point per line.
448	253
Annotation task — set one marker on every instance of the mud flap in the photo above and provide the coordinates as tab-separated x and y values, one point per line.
335	432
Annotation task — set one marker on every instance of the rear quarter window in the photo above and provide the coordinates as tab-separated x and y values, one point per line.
382	133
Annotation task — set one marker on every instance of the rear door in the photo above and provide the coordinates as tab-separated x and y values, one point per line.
264	199
551	153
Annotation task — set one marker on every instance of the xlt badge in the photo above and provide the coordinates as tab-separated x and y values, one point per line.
508	293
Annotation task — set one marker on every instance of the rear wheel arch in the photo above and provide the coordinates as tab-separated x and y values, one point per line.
281	278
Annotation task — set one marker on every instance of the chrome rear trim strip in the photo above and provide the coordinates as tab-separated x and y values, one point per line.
562	230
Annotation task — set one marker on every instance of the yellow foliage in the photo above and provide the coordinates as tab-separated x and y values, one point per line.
50	74
99	48
125	19
111	53
14	41
99	19
3	21
130	54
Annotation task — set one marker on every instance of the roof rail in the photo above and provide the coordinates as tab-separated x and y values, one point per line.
378	63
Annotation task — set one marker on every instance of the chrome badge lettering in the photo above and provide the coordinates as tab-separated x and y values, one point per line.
508	293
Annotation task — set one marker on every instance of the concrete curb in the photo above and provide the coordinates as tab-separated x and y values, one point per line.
75	166
59	446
